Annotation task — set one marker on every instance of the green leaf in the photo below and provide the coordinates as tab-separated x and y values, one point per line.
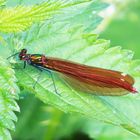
8	94
85	15
73	44
31	114
20	17
70	18
97	130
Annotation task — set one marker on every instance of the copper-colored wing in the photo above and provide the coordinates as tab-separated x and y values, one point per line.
96	88
92	79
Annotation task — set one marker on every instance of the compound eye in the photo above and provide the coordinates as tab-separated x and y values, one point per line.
23	56
24	51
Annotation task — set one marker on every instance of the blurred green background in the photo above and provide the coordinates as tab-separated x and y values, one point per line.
36	121
124	25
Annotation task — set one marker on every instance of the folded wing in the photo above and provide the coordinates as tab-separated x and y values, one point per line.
92	79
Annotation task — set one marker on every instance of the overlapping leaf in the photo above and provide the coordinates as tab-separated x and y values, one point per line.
8	94
85	15
21	17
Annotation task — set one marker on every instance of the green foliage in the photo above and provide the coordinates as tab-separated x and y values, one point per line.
21	17
44	121
87	16
8	94
129	24
30	118
99	131
67	34
71	44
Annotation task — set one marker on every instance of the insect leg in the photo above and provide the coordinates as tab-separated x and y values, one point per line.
50	73
24	65
53	82
37	78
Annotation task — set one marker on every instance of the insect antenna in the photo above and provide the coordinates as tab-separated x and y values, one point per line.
12	56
